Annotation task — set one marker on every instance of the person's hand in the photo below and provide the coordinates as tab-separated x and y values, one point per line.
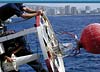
39	12
9	59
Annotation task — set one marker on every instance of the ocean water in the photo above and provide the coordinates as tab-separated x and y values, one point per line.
84	62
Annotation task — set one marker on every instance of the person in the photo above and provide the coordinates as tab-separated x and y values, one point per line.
17	47
7	11
10	9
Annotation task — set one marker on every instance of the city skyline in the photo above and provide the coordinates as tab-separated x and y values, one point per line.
65	8
78	5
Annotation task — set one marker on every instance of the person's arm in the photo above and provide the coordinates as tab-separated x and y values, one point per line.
17	50
25	12
30	15
29	10
9	59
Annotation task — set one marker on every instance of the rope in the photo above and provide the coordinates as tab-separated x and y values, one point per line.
71	34
76	50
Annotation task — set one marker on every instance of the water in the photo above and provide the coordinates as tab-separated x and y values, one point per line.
84	62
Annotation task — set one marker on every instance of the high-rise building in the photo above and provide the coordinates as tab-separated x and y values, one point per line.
67	10
60	11
94	11
51	11
87	9
98	9
74	11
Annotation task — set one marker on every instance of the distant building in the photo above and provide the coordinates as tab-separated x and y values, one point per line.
98	9
74	11
87	9
67	10
31	6
60	11
50	11
83	12
37	8
95	11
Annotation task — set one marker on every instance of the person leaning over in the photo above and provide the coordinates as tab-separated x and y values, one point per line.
10	9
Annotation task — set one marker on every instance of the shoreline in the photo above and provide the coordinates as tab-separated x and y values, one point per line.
76	15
